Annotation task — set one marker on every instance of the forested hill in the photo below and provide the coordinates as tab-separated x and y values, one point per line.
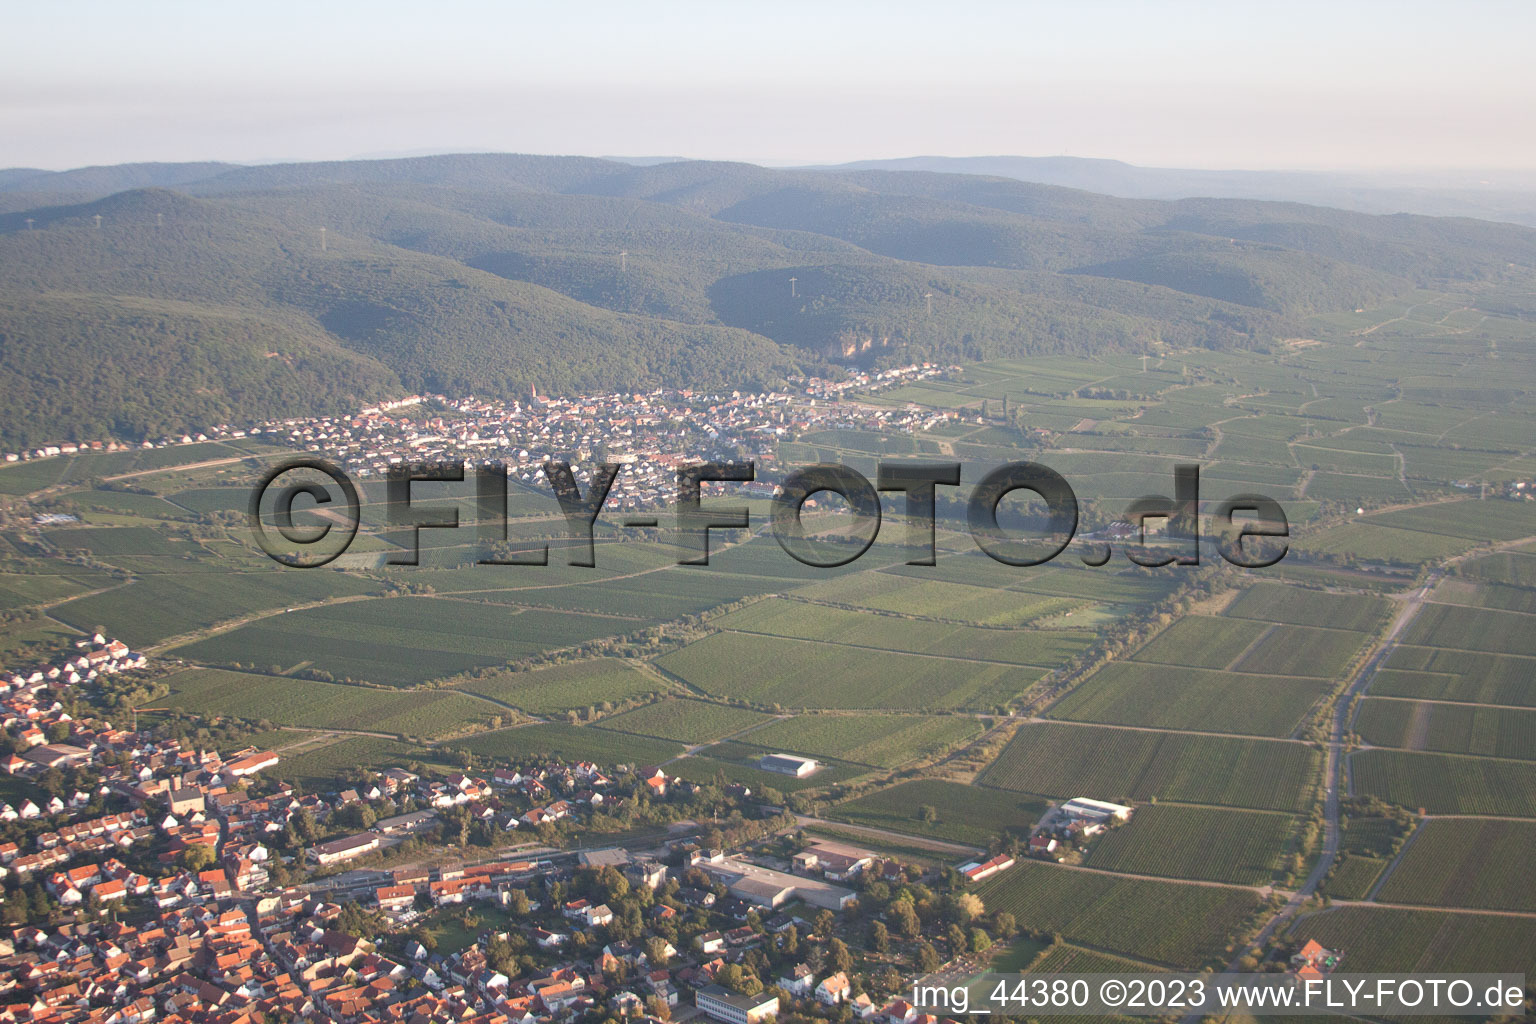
207	293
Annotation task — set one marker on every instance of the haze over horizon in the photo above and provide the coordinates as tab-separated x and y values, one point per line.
1370	87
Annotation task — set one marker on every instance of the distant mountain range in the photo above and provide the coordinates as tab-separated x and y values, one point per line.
1489	195
209	293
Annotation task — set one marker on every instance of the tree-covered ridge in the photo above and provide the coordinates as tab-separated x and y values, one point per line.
218	299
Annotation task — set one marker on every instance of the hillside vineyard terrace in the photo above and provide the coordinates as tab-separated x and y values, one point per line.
919	481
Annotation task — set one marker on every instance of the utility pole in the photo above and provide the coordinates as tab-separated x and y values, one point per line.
322	239
1143	364
97	218
623	261
929	297
792	286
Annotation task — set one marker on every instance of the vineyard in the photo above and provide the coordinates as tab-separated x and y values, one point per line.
1463	862
1303	651
323	705
1379	939
1178	925
883	741
1123	764
402	641
1451	728
1241	847
804	621
1256	705
1434	674
688	721
1474	629
963	814
1353	875
773	670
1270	602
1445	784
551	691
574	743
1202	641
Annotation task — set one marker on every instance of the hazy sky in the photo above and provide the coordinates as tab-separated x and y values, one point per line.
1232	84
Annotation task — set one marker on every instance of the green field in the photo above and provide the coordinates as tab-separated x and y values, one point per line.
1516	568
402	640
314	705
1064	958
1164	696
883	741
1456	627
1378	939
1303	651
798	619
665	594
770	670
573	743
122	540
1202	641
939	599
965	814
25	589
156	607
316	769
26	477
129	502
1364	540
1451	728
1446	784
1482	521
1165	922
1467	862
1435	674
1242	847
561	688
1124	764
1353	876
688	721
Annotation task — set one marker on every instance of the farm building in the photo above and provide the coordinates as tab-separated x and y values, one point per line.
787	764
1094	810
976	871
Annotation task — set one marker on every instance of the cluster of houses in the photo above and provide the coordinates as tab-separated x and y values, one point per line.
556	790
92	657
206	936
650	433
288	956
573	985
1074	823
